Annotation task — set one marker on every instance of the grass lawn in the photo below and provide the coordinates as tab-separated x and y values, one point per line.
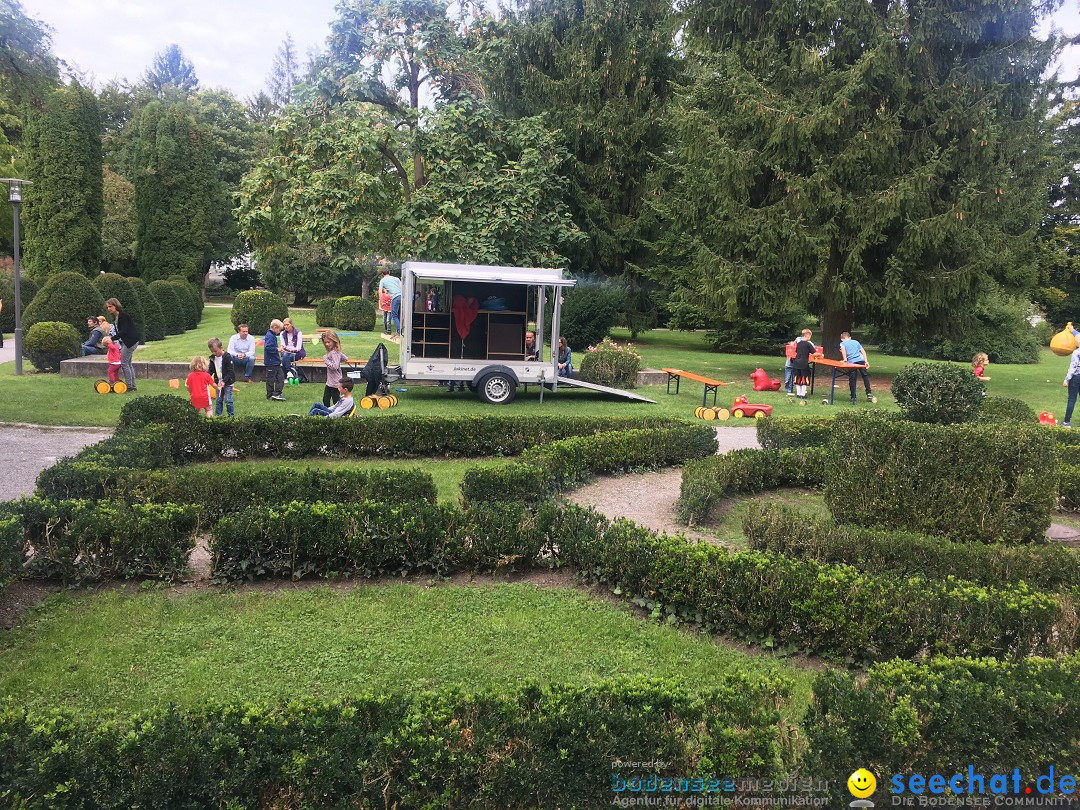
128	652
728	527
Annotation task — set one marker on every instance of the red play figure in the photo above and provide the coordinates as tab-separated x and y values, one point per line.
1047	418
762	381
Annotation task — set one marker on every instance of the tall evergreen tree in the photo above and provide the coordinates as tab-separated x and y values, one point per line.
284	74
879	161
174	193
63	219
171	74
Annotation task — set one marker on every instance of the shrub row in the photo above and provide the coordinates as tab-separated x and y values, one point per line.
1068	481
981	482
795	534
11	549
537	747
942	715
783	434
707	481
551	468
80	541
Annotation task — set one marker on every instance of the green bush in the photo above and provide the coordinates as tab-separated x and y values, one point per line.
780	433
1007	409
190	302
589	310
549	746
113	285
155	320
324	313
940	716
84	541
11	549
796	534
552	468
161	409
172	308
981	482
354	313
1068	479
933	392
28	288
68	298
257	308
49	342
610	363
708	481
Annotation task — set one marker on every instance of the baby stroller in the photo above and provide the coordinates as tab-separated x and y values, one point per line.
376	374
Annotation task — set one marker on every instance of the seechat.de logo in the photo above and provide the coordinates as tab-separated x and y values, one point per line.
862	783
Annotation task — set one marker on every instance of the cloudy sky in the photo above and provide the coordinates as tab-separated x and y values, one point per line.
231	42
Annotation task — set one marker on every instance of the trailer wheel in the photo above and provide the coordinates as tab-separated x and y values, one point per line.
497	388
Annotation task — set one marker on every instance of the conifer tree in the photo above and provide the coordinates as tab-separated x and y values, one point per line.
878	161
65	203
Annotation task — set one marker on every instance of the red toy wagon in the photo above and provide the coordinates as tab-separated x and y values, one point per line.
741	407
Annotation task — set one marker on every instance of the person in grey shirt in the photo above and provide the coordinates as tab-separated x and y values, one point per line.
242	351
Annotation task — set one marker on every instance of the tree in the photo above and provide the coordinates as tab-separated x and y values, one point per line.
171	74
878	161
65	205
284	74
28	70
601	73
118	226
175	193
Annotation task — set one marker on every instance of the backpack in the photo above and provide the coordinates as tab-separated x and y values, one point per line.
789	349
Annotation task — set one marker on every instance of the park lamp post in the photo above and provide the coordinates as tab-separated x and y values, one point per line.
15	186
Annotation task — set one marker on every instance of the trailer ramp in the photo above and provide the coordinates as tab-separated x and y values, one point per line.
569	381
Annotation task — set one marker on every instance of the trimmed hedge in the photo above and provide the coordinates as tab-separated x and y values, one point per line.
1007	409
172	308
190	302
257	308
546	746
941	716
1068	481
937	392
82	541
48	343
155	320
795	534
786	433
550	468
114	285
28	288
67	297
708	481
324	313
11	549
982	482
354	313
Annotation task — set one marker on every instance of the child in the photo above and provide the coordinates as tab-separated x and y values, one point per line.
333	360
384	308
344	405
112	357
198	385
978	364
800	365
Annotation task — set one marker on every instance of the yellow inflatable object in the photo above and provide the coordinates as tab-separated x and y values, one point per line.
1064	342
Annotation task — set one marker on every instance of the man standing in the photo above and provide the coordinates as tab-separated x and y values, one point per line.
221	369
853	352
275	378
392	285
242	351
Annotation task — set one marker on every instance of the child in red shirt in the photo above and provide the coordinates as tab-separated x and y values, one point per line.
198	384
112	357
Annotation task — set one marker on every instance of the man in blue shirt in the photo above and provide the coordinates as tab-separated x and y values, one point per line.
853	352
392	285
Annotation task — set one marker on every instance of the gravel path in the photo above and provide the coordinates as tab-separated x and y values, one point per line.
26	450
648	499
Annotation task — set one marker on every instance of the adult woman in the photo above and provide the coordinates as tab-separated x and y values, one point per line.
333	360
566	362
128	337
292	346
93	343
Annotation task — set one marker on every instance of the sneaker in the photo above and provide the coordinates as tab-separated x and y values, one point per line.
1066	424
248	380
277	398
873	399
853	402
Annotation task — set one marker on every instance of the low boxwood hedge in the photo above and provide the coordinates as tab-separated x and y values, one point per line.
11	548
324	313
547	746
942	716
793	533
84	541
354	313
785	434
550	468
709	480
48	343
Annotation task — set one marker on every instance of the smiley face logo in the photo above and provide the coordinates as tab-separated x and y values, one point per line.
862	783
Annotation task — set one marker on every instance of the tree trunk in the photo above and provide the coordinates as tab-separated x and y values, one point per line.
833	322
300	299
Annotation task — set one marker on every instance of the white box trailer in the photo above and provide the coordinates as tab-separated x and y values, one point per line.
466	323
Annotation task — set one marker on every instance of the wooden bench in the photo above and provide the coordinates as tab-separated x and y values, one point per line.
710	385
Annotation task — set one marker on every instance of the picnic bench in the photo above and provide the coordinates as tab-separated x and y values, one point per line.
710	385
840	368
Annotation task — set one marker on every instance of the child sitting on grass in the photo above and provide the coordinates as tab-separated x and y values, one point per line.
198	384
343	407
112	357
978	364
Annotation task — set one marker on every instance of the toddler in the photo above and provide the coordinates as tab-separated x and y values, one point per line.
978	364
198	384
112	357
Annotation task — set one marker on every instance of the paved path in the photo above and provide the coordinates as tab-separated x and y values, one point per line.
26	450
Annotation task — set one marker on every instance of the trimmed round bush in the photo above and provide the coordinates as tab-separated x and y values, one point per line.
934	392
28	288
1007	409
114	285
155	320
193	289
354	313
164	409
610	363
66	298
324	313
49	342
257	308
589	311
172	309
187	296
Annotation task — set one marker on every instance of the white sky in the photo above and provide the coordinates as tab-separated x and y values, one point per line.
232	42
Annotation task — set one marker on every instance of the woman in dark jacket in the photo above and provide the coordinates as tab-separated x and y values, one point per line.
128	337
